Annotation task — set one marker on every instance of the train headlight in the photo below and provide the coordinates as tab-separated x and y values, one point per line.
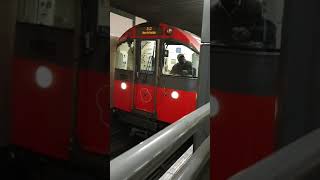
175	95
123	86
44	77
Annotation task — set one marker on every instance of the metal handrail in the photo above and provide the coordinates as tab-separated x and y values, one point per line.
140	161
195	165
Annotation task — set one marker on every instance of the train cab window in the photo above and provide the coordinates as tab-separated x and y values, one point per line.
148	55
125	56
250	24
179	60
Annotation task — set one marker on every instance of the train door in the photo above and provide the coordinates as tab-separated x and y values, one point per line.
92	123
145	77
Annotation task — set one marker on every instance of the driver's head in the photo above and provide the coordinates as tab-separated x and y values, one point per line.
181	58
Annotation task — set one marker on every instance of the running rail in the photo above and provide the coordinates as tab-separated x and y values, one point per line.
298	161
140	161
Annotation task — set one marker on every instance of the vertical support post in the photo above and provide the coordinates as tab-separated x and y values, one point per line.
204	75
7	36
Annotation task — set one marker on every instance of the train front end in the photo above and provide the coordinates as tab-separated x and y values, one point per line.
147	93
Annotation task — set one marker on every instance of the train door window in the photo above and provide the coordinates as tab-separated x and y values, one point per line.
125	56
52	13
186	66
148	55
247	23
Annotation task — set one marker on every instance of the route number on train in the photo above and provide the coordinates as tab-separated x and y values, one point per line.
149	30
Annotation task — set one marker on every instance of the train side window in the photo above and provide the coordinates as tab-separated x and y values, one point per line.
125	56
171	65
148	55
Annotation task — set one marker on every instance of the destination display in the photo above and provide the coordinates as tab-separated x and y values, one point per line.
149	31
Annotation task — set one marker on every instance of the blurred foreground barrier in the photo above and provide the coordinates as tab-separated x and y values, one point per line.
140	161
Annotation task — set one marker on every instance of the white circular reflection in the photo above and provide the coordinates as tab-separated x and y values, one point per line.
175	95
44	77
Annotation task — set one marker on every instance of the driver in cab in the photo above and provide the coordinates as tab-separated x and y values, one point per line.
183	67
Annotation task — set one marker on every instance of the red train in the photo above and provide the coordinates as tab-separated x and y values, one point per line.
152	87
44	111
60	91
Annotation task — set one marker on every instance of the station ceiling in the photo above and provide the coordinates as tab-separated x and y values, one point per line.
186	14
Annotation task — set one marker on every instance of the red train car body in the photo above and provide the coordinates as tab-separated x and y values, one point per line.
145	90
